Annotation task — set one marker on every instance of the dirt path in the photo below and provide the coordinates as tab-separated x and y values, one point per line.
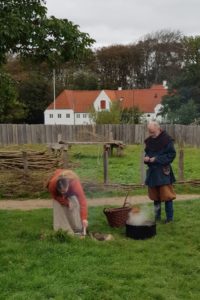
47	203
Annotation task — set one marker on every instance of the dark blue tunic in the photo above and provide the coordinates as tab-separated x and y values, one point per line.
160	171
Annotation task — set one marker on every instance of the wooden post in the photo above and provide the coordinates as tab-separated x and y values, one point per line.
110	136
65	158
59	137
111	149
25	162
142	169
49	149
181	164
105	164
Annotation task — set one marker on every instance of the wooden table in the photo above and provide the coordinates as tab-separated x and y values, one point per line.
118	145
107	145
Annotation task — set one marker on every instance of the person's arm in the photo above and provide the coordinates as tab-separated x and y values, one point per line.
77	189
146	157
166	157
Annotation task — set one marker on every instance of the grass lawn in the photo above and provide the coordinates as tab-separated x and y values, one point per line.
88	164
37	263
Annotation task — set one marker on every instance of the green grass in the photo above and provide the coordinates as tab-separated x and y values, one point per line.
37	263
124	169
127	169
88	164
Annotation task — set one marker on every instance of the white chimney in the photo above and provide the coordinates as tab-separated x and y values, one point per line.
165	84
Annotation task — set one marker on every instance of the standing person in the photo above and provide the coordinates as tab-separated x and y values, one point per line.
69	202
159	154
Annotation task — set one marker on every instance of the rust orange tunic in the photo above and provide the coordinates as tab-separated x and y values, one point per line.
75	189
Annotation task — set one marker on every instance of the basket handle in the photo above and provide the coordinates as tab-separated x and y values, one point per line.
126	199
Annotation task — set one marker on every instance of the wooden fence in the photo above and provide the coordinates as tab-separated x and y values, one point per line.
130	134
27	161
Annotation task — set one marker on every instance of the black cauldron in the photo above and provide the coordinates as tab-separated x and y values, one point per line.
141	232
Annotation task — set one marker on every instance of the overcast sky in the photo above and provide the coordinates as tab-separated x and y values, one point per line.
125	21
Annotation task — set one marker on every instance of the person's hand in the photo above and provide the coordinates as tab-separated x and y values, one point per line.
146	159
152	159
85	223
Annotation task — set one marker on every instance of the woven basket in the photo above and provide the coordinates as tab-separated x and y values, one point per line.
117	217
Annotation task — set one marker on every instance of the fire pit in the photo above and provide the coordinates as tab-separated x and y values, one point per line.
141	232
140	224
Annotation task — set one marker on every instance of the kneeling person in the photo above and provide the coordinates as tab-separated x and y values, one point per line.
69	202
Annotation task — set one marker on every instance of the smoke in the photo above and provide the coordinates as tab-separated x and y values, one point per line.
140	216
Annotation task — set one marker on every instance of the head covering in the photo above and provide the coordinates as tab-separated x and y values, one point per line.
158	143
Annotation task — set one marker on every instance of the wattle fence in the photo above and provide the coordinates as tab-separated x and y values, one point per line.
130	134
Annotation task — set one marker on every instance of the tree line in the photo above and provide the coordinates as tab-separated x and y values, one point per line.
32	45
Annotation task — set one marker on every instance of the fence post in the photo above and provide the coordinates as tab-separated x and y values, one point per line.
59	138
142	169
65	158
105	163
181	164
25	162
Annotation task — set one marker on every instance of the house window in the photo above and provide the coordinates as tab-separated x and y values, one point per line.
59	116
84	115
67	115
51	116
103	104
78	116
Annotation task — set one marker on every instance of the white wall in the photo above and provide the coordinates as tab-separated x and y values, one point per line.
51	117
82	119
153	116
102	96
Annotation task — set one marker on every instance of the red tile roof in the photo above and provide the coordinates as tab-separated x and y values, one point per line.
79	101
82	101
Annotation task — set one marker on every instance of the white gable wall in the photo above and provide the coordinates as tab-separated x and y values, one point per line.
97	102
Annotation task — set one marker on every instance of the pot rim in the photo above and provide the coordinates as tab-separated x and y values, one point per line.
145	224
